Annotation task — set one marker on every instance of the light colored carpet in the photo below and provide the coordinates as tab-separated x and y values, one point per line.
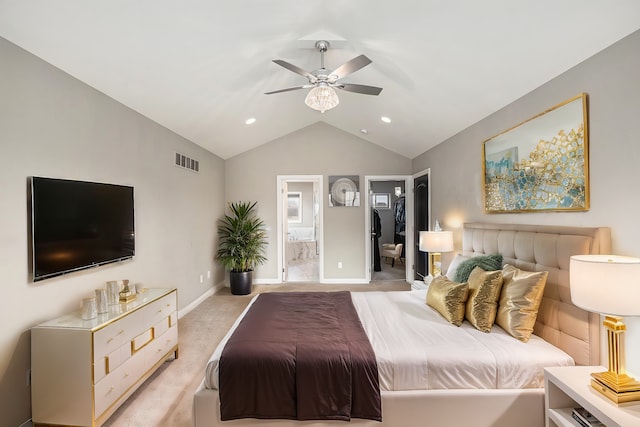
389	272
165	399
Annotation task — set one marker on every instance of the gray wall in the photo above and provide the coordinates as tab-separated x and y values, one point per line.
318	149
611	81
55	126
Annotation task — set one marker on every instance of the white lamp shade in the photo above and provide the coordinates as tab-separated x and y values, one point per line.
606	284
436	241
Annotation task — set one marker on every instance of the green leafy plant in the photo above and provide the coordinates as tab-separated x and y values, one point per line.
241	238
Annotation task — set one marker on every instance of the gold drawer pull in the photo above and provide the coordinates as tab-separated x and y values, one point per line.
150	338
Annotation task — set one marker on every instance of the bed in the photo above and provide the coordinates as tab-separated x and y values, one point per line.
510	401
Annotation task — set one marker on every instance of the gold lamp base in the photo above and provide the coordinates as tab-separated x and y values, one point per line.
620	390
436	263
615	384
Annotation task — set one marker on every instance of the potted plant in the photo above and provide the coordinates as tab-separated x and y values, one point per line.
242	240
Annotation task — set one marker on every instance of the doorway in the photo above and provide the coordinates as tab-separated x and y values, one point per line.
388	217
421	215
300	228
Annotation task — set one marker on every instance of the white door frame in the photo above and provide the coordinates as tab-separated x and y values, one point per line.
408	189
282	179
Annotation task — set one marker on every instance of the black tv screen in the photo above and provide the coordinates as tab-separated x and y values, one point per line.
77	225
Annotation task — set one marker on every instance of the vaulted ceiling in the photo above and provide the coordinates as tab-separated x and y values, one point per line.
201	67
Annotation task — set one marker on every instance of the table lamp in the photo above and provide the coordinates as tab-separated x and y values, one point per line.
435	242
609	285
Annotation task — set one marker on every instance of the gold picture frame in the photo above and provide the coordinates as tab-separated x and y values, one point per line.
541	164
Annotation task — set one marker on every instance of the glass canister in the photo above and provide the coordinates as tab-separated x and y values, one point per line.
89	308
101	301
113	292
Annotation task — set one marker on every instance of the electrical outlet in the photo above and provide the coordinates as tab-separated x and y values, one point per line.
201	278
339	264
208	274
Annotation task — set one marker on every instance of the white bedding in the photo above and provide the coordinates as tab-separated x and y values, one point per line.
417	349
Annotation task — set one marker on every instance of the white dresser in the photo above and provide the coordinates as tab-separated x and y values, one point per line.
83	370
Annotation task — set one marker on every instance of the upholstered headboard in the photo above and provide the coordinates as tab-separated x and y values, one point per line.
548	248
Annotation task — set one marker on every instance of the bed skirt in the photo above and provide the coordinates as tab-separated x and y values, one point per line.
452	408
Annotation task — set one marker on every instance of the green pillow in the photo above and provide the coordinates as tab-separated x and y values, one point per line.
485	262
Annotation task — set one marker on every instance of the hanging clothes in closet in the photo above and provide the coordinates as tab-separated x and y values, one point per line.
399	216
377	233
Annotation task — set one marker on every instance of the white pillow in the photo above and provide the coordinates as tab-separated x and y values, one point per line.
451	271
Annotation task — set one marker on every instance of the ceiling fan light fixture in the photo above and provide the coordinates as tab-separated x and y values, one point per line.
322	98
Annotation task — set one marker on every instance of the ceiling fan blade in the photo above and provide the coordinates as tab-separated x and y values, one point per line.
287	89
366	90
351	66
296	69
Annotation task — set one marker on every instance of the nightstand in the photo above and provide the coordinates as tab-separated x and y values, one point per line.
570	387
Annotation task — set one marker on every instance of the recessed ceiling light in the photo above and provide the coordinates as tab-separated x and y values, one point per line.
364	131
250	121
385	119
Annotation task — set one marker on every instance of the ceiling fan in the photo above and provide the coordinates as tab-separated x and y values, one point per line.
322	96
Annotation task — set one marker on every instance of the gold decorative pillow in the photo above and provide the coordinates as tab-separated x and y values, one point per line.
484	291
520	299
448	298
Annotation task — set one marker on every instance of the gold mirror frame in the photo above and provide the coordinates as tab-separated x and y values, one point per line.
541	164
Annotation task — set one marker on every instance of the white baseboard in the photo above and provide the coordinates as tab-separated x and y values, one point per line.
222	284
328	281
267	281
346	281
219	286
199	300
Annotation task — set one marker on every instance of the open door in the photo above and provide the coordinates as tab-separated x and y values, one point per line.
386	194
422	212
300	228
284	236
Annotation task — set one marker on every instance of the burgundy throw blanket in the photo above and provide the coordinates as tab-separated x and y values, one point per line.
300	356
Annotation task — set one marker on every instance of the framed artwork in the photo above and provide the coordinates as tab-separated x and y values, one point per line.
540	164
381	201
344	190
294	207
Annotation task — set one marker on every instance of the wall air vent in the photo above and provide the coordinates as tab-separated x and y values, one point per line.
187	162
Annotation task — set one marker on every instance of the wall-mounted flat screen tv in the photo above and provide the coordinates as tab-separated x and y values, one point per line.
77	225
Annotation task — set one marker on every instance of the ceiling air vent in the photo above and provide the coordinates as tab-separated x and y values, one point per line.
187	162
